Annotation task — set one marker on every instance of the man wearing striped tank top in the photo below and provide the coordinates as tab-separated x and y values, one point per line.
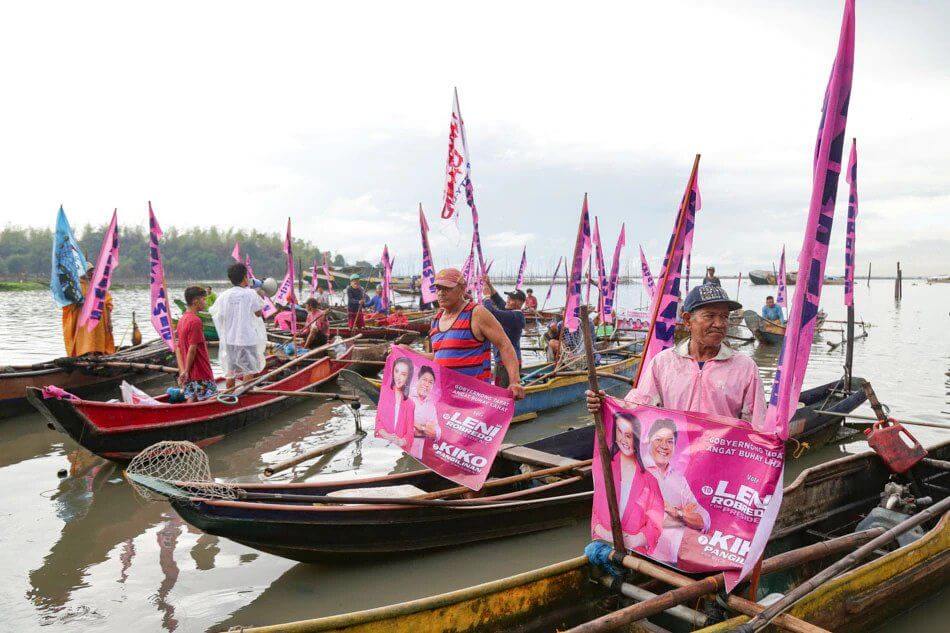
463	333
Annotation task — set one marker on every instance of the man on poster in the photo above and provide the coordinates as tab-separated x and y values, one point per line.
425	423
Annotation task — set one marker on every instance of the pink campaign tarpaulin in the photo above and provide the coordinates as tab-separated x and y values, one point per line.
452	423
581	253
161	319
693	490
95	300
852	178
610	296
633	320
647	275
428	267
782	292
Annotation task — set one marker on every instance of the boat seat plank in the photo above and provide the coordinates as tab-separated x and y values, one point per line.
534	457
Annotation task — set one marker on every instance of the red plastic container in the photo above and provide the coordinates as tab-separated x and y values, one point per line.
899	450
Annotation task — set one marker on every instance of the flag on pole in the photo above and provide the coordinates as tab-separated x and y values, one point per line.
428	267
852	178
782	291
387	278
68	264
611	295
236	252
601	271
800	328
95	301
647	275
314	279
161	318
581	254
285	293
557	269
521	268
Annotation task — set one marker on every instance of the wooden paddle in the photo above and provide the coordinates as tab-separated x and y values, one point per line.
317	452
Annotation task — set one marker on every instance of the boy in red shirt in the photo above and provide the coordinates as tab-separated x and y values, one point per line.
194	366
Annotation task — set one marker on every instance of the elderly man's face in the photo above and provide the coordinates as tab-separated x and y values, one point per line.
662	444
707	325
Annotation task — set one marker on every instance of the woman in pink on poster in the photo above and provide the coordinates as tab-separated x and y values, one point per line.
640	500
397	427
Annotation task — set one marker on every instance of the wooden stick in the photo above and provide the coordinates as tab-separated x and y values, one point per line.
284	465
761	620
128	365
305	394
360	362
875	403
503	481
605	466
298	359
856	416
602	374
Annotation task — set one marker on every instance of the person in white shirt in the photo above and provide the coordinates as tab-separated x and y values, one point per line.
682	511
425	420
237	317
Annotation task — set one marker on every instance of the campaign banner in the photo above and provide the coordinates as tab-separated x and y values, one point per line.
427	283
611	293
94	303
633	320
581	252
452	423
158	293
694	490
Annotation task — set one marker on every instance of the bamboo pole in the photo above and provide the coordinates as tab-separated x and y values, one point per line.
306	394
504	481
605	464
317	452
250	385
128	365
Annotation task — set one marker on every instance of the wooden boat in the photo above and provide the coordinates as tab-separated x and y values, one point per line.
824	501
769	278
308	532
769	332
939	279
119	431
67	374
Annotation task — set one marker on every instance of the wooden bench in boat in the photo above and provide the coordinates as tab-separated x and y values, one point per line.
534	457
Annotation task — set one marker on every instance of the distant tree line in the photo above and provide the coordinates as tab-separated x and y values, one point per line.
195	253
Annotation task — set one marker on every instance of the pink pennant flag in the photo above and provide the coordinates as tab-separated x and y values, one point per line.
601	270
247	264
581	254
521	268
852	177
800	328
557	269
611	295
285	293
314	279
782	291
428	267
326	272
161	319
647	275
666	299
236	252
94	303
387	278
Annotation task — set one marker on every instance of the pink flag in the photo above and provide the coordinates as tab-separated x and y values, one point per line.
387	278
852	178
453	165
247	264
452	423
94	303
161	320
800	329
428	267
521	268
285	293
667	295
314	279
782	291
557	269
236	253
601	271
611	295
647	275
326	272
581	253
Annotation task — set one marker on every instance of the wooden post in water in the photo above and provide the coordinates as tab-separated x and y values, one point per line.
605	470
849	354
869	274
898	290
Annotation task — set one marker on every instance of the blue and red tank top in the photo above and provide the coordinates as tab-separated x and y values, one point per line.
458	348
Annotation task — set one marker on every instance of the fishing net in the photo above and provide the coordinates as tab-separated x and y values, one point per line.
175	469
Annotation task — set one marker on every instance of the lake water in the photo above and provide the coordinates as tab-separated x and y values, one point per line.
83	553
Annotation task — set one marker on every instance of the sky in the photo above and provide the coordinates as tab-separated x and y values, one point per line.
241	114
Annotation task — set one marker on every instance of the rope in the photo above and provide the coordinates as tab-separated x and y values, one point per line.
800	448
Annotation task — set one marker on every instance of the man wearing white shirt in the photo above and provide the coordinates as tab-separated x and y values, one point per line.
682	509
425	422
237	318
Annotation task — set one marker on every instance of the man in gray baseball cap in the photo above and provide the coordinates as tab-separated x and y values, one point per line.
701	373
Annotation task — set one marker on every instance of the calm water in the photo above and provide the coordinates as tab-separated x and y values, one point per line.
82	553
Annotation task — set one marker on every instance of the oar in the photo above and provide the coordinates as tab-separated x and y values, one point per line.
249	385
322	450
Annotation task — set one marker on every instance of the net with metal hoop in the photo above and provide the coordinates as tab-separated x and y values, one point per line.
175	469
573	356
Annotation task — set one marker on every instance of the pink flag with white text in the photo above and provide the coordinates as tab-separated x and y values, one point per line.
601	270
427	282
647	275
94	303
158	293
793	359
852	178
782	290
452	423
521	268
581	254
611	296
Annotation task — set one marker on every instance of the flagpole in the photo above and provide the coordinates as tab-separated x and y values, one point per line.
661	283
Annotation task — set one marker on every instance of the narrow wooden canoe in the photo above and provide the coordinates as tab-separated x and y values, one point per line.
81	381
824	500
119	431
768	332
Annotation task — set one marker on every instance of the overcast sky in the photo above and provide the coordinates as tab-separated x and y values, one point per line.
336	114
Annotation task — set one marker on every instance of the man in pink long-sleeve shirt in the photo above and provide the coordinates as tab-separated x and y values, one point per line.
701	374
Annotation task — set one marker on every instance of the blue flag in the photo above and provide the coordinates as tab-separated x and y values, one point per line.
68	264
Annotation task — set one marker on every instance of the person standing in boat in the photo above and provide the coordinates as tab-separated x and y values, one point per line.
711	279
511	318
530	302
398	426
772	311
237	316
194	366
463	332
702	373
640	500
78	340
355	302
